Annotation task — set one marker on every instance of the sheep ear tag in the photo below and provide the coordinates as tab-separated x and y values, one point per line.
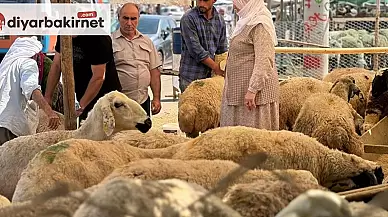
108	121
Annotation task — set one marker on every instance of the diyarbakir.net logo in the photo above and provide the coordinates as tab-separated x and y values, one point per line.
55	19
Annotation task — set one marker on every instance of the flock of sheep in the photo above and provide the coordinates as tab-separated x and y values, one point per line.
116	165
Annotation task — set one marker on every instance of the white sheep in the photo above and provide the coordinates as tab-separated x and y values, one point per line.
263	198
206	173
318	203
151	139
330	119
86	163
112	113
134	197
123	197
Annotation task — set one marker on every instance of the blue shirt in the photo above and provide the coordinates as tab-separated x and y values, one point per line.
201	38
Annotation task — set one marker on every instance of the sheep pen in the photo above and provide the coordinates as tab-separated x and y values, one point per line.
112	113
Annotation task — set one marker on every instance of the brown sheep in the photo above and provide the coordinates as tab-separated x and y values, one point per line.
364	82
293	93
332	120
199	106
335	74
286	150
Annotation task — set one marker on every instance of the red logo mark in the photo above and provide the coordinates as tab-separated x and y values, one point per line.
87	14
2	21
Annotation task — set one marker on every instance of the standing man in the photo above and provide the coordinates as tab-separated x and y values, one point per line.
137	60
94	71
19	82
203	36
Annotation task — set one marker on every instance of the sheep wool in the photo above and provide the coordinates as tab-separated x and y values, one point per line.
151	139
4	201
134	197
44	122
79	162
199	106
337	73
112	113
331	120
263	199
293	93
285	150
206	173
57	202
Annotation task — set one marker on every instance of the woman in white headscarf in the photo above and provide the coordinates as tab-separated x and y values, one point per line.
251	91
19	83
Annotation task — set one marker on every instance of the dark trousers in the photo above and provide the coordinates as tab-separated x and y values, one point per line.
147	106
183	83
5	135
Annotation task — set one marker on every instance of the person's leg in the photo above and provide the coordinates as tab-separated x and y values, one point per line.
147	106
5	135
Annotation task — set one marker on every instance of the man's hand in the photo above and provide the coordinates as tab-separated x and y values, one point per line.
54	120
218	71
79	112
249	100
155	106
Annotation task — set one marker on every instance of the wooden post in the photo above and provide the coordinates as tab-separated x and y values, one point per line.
68	79
377	34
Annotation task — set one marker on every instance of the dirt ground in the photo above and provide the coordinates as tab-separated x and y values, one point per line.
169	111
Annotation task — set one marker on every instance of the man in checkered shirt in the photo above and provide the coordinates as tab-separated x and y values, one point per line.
203	32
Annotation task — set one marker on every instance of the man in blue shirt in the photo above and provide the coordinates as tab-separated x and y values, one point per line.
203	33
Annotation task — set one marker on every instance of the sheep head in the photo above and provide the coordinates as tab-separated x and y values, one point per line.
380	83
359	173
122	113
346	88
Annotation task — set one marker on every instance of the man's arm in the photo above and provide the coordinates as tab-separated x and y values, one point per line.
99	51
94	85
191	38
155	63
53	77
155	83
29	76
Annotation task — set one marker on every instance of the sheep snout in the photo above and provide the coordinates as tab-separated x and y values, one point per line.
365	179
144	127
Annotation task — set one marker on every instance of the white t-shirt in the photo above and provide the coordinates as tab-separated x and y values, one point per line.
16	89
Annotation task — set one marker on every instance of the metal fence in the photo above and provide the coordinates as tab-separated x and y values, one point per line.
343	33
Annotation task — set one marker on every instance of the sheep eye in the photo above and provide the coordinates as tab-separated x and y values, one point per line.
118	104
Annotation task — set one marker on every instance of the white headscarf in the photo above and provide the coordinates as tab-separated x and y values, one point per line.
24	47
253	12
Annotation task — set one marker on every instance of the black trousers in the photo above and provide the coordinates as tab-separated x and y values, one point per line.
147	106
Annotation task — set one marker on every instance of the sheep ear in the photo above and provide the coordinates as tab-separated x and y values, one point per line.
108	119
